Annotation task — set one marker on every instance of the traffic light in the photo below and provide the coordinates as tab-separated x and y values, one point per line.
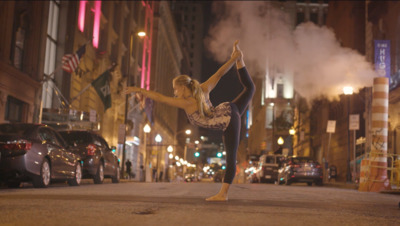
196	154
219	154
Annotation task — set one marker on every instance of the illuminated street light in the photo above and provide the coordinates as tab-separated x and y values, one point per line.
171	156
141	34
280	141
158	138
292	131
147	128
188	131
348	90
170	149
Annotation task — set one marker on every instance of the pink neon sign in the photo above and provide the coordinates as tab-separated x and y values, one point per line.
81	19
96	26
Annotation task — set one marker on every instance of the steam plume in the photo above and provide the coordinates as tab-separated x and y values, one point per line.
311	53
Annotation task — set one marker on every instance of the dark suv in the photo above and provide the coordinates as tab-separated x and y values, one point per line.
98	159
300	169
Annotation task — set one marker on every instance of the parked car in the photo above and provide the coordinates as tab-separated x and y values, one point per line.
37	153
300	169
268	167
98	159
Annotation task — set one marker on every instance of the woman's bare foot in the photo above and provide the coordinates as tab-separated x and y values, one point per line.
218	198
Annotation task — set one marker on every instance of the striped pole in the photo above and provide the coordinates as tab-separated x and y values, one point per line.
374	173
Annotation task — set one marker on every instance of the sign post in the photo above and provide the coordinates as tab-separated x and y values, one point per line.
354	125
329	129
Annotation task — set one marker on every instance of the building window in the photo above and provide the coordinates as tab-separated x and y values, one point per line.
314	18
51	49
21	23
300	18
15	110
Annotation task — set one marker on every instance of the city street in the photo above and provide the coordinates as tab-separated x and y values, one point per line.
134	203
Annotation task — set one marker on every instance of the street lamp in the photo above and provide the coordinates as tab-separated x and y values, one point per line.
280	141
146	130
141	34
158	139
348	90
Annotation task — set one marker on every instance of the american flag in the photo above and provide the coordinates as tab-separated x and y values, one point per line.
71	61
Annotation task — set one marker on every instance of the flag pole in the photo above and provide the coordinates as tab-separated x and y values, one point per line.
47	78
111	68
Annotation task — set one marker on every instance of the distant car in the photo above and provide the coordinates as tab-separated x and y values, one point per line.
190	178
298	169
98	159
36	153
219	175
268	167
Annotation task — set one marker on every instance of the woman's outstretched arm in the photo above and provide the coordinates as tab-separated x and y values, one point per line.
172	101
210	84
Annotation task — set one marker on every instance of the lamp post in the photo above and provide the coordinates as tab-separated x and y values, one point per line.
273	126
292	132
146	130
158	139
348	90
187	132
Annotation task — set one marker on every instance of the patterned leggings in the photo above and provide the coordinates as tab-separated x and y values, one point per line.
231	136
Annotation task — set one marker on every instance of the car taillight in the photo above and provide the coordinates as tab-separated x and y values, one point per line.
17	145
294	165
91	149
318	166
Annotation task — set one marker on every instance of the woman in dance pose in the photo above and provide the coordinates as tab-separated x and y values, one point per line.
194	99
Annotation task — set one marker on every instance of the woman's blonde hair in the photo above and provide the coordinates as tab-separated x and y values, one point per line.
196	91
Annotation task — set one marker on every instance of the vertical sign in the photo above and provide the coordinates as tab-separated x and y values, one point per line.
331	126
382	57
354	122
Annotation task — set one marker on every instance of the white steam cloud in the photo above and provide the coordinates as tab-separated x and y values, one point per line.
312	53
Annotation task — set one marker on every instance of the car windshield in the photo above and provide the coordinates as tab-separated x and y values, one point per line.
16	129
74	138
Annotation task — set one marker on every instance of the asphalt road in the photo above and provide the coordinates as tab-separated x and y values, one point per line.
133	203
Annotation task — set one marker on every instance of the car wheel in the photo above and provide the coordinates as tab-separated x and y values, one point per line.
77	176
309	183
116	177
99	177
43	179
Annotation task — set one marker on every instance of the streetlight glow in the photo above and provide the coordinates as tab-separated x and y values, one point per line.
170	149
280	141
188	131
348	90
158	138
292	131
141	34
147	128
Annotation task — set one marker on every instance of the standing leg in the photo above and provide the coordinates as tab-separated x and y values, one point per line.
231	142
